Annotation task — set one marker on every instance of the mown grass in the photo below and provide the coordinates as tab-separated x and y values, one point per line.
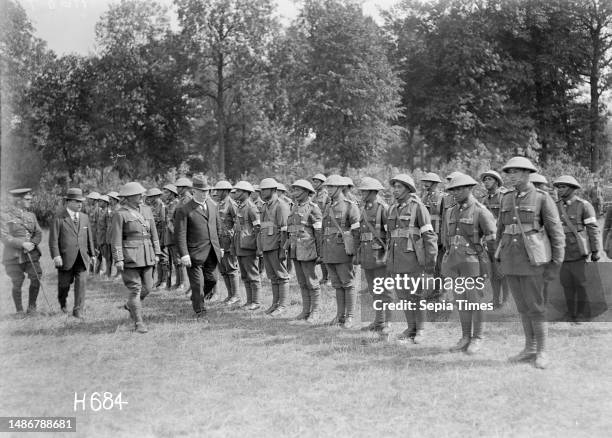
250	375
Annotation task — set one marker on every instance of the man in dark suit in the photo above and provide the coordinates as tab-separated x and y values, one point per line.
196	225
71	245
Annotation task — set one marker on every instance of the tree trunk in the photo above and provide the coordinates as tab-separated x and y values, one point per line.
410	147
220	116
594	109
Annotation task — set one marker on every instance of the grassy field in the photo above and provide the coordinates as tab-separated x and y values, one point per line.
250	375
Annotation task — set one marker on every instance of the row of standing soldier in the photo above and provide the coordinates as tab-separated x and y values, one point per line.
451	235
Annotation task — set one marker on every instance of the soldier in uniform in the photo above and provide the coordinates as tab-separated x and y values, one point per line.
581	241
256	197
115	204
102	245
493	183
526	210
469	230
92	210
540	182
340	231
21	236
432	198
157	206
244	244
348	190
304	247
135	248
282	194
228	266
413	248
196	227
321	198
168	241
596	196
372	246
271	243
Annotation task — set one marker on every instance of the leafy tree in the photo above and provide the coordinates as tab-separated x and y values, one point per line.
341	85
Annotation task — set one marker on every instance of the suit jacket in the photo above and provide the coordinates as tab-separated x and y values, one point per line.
68	240
197	230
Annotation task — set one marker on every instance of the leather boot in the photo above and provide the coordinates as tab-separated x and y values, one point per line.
283	297
540	329
17	299
256	293
305	304
315	303
228	287
339	319
140	325
274	304
160	275
530	349
169	278
350	300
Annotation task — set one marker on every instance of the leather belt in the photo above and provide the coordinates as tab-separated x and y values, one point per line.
366	237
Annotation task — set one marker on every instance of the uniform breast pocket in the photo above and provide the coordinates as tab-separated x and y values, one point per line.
132	253
527	213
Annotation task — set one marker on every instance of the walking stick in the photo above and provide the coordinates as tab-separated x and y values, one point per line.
42	286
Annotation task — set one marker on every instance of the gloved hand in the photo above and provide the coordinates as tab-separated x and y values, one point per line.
28	246
119	266
57	261
595	256
551	271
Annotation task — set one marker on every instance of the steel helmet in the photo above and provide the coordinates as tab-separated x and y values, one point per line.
245	186
320	177
171	188
223	185
303	184
131	189
183	182
154	192
461	180
405	179
537	178
268	183
452	175
113	194
568	180
335	180
104	198
93	195
493	174
281	187
256	187
349	181
368	183
431	176
519	163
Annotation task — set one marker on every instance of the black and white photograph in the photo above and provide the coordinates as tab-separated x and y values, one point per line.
306	218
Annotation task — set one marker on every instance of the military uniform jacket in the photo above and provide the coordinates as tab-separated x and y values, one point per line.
196	230
103	226
19	226
535	208
409	231
109	227
321	198
94	214
227	213
433	201
346	214
169	238
493	201
303	220
582	216
67	239
372	244
274	215
245	222
159	215
469	229
134	239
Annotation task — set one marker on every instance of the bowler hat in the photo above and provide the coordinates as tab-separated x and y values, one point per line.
200	183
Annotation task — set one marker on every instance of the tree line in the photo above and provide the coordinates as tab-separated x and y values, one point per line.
231	90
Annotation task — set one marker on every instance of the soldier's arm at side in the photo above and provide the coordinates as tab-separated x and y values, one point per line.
116	237
154	236
589	219
488	226
552	224
429	236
